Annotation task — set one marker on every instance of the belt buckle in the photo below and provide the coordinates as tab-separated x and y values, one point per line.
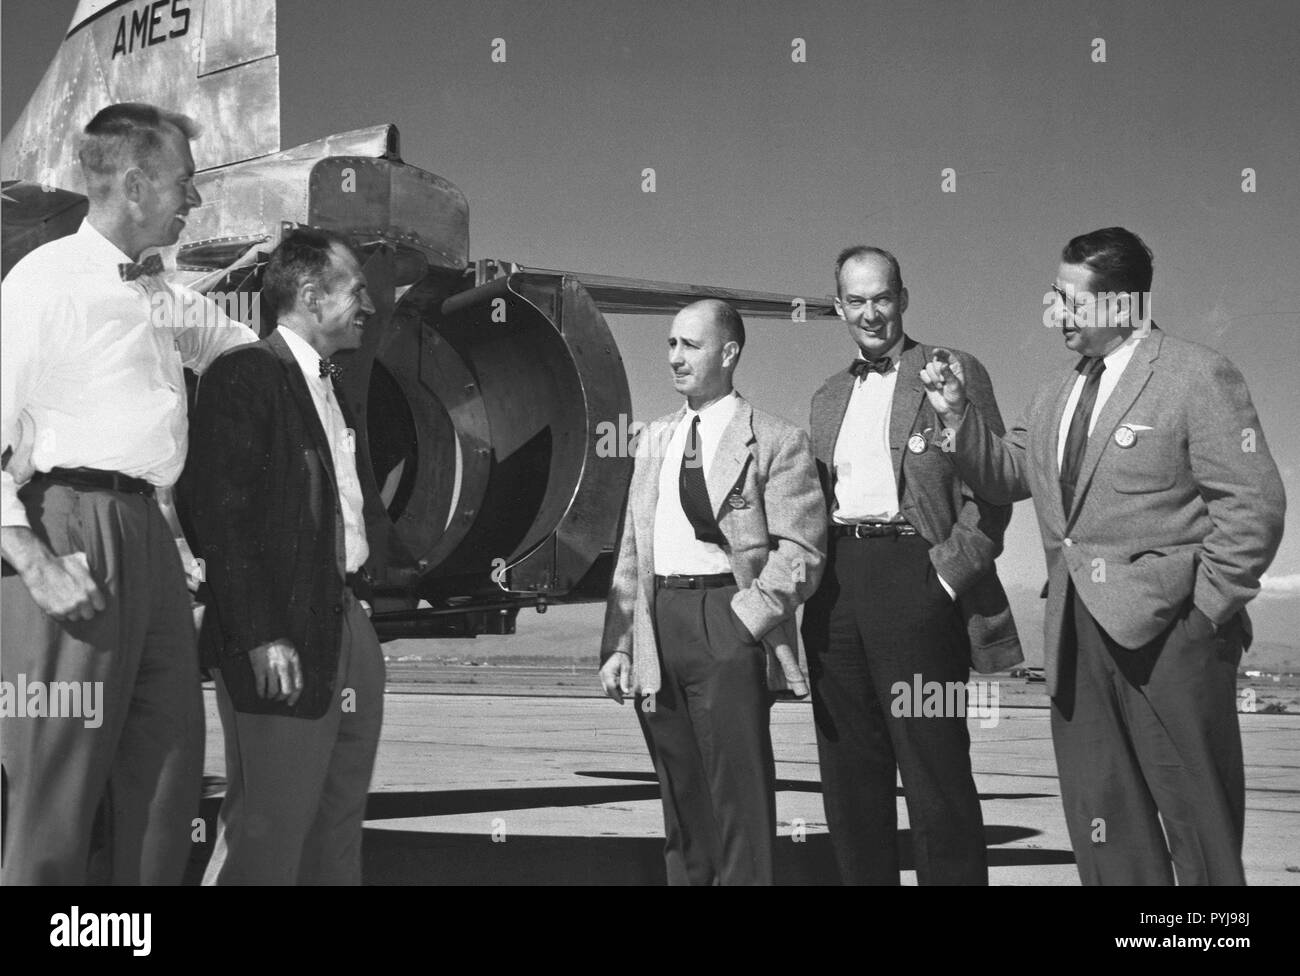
681	581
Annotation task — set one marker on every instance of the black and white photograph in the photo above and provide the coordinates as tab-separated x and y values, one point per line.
608	443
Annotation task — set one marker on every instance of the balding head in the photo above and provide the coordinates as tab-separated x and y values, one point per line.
704	345
725	318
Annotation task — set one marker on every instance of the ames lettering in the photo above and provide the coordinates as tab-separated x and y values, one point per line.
147	27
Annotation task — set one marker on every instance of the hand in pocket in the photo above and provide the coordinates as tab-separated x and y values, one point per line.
739	626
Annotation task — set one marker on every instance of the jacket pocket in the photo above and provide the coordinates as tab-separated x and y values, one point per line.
1151	462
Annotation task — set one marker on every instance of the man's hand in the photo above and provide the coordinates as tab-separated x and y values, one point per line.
616	676
277	671
61	585
945	385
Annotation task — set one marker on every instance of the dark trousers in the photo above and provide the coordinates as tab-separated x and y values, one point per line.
297	788
144	758
1149	736
707	729
881	617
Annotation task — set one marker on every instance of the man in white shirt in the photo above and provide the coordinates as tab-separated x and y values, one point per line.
1160	507
910	597
276	505
722	541
94	428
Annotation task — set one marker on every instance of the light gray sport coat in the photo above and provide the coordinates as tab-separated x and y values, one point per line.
763	488
1178	495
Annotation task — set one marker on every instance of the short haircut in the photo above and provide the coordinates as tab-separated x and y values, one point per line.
124	135
863	251
1118	259
302	255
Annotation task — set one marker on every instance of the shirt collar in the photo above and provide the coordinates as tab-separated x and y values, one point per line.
718	412
1122	353
308	358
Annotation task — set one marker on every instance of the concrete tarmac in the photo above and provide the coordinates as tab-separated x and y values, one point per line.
505	788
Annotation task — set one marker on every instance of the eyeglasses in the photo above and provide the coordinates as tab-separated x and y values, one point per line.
1070	301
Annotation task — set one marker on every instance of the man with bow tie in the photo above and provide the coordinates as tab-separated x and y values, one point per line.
94	436
910	596
277	508
1160	508
723	538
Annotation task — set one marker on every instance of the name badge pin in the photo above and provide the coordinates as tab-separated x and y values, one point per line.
736	500
916	444
1125	436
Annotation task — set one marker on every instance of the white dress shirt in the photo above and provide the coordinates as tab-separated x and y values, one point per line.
93	367
1115	361
676	550
864	469
865	487
343	448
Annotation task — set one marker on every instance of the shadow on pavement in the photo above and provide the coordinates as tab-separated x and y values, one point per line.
406	857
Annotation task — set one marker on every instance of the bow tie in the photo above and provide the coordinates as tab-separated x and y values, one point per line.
152	265
861	367
330	368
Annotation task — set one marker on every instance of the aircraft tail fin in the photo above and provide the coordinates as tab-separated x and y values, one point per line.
213	60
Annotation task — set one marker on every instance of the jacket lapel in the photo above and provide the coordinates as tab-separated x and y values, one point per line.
306	405
1130	384
909	394
731	454
830	416
1048	443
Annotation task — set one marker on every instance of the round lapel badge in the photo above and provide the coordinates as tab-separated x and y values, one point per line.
1125	436
916	444
736	500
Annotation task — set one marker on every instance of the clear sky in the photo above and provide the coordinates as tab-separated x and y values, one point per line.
766	167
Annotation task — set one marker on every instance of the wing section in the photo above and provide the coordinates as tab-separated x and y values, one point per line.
638	296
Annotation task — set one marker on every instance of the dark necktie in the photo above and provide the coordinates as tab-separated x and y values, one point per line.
694	492
1076	440
330	368
861	367
152	265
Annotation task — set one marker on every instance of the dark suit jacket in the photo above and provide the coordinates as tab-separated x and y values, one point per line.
965	531
265	512
1186	503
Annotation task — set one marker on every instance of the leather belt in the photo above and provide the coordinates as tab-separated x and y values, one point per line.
93	479
709	582
870	530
